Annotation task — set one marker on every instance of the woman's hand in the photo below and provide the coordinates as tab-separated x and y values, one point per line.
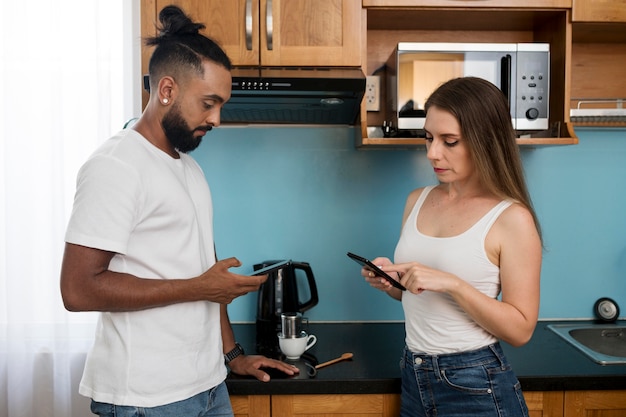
417	278
378	282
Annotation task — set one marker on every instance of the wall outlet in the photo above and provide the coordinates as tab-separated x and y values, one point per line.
372	93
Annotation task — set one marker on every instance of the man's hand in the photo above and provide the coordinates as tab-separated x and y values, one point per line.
252	364
221	286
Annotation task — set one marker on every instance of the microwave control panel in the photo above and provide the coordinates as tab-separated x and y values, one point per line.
533	89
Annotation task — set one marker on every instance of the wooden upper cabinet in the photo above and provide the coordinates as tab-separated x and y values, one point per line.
226	24
316	33
523	4
280	32
599	11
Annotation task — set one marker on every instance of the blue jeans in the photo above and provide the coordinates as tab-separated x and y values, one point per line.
212	403
476	383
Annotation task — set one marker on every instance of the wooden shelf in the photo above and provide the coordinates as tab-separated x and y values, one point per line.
567	137
412	143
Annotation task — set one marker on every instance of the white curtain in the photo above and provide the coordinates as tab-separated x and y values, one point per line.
69	78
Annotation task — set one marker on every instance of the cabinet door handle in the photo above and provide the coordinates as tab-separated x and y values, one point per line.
269	23
248	24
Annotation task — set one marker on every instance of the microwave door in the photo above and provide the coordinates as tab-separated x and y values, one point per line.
497	67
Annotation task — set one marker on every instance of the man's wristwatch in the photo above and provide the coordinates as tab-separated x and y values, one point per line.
237	350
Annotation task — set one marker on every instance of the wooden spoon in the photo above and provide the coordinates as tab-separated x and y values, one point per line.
343	357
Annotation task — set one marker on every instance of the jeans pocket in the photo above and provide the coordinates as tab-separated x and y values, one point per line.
102	409
472	380
112	410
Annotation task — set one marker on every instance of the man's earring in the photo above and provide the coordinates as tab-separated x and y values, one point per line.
165	101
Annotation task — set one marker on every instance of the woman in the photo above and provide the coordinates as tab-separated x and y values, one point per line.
465	241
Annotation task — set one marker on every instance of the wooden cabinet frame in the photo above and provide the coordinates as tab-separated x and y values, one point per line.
387	22
587	45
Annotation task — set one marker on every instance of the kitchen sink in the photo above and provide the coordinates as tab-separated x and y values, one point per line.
603	343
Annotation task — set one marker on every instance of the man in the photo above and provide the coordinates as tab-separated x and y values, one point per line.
139	247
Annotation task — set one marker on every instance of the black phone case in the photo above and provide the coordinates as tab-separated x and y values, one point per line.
379	272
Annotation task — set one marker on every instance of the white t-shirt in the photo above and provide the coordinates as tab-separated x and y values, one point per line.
155	212
434	323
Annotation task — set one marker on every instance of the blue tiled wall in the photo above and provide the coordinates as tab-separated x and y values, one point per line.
307	194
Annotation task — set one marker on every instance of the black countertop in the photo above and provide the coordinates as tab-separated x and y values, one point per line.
546	363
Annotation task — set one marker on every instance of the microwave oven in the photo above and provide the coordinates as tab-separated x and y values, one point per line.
520	70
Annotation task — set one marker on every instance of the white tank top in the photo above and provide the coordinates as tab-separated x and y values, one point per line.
434	323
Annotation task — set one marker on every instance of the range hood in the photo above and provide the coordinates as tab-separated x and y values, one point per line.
317	95
295	96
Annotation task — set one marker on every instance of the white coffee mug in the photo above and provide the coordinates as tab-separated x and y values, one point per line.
294	347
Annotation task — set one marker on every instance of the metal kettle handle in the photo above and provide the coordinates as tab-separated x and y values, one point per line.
312	286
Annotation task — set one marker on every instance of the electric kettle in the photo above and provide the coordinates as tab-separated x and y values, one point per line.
282	293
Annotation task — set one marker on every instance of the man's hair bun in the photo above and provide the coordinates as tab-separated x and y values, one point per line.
174	23
180	47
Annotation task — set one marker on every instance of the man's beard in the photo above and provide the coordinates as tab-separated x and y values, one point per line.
178	133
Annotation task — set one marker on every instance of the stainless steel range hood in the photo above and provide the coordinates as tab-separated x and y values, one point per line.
295	96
